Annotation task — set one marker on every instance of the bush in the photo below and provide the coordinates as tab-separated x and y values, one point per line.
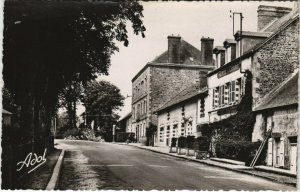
182	142
238	150
190	141
201	144
173	142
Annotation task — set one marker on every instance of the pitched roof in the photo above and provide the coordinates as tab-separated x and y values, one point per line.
284	94
275	25
187	94
188	55
128	115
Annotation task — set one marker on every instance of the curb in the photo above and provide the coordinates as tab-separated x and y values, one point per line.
236	170
56	172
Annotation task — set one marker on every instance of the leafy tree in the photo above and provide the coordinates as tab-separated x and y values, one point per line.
47	45
69	98
102	100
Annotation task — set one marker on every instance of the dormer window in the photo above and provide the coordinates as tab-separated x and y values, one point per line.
248	39
230	46
219	52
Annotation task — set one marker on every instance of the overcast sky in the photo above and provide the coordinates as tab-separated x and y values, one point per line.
191	20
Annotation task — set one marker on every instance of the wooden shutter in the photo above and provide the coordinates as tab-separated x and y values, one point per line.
281	152
226	93
270	152
237	89
216	97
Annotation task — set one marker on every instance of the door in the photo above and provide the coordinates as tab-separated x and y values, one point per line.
270	152
293	155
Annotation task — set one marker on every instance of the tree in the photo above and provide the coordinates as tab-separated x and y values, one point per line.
47	45
102	100
69	98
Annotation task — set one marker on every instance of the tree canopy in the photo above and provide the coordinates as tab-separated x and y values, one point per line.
49	44
102	100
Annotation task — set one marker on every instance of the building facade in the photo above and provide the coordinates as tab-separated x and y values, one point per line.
272	57
179	116
160	80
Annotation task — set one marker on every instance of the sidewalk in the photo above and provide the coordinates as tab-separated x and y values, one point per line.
39	178
239	168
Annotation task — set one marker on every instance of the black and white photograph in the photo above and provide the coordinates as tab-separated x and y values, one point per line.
149	95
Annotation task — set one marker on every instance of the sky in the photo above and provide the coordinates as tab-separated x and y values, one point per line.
190	20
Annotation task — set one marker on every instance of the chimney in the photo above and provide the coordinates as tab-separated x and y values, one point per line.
174	43
267	14
202	79
207	45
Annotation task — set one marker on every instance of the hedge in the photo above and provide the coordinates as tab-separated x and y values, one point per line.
201	144
173	142
182	142
190	142
238	150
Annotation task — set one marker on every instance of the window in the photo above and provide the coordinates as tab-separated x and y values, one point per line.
168	116
138	110
232	91
202	107
182	129
175	130
161	134
142	86
213	99
168	132
145	107
216	97
183	111
133	112
221	95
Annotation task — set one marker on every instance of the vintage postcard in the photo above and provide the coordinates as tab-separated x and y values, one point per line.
150	95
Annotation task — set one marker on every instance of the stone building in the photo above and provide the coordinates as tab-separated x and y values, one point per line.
226	82
278	112
272	57
179	116
275	91
168	74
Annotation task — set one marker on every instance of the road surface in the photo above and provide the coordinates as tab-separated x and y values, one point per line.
92	165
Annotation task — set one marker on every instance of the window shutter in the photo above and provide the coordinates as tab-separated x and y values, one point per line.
270	152
237	89
281	154
226	92
216	97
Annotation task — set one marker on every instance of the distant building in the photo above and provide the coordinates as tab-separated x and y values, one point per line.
163	78
125	123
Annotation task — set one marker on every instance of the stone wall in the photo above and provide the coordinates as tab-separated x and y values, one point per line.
275	61
166	82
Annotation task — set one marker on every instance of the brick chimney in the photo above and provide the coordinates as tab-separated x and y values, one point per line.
174	43
207	45
267	14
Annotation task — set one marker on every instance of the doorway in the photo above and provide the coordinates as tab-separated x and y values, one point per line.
293	156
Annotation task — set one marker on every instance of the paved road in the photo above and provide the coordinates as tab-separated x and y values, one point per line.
91	165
